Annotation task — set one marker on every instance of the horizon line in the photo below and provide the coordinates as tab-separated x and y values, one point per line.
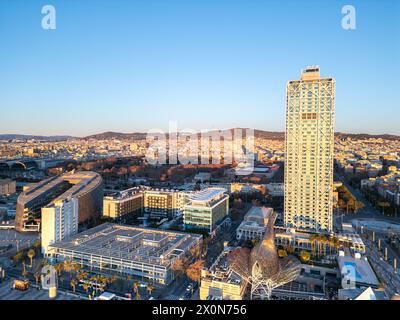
198	131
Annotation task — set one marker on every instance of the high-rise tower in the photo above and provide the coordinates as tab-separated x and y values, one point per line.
309	145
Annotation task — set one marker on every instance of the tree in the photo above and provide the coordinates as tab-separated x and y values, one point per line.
282	253
82	274
85	287
305	256
19	256
178	267
68	266
73	284
195	251
59	267
31	255
150	289
37	277
194	270
321	240
313	240
135	286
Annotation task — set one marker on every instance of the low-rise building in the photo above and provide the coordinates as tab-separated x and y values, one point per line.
254	224
126	202
219	282
145	253
357	271
205	209
300	240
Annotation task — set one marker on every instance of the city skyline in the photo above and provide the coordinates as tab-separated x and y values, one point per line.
199	152
200	65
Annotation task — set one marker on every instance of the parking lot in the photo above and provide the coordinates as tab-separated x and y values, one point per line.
7	293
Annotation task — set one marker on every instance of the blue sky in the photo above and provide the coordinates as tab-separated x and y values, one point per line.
133	65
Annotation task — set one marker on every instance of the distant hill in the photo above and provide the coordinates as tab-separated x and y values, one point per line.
142	135
271	135
30	137
361	136
117	135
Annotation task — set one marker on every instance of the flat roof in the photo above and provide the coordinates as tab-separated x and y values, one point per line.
83	181
207	194
363	271
153	246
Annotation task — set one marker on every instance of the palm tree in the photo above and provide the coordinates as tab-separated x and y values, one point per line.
320	240
135	286
305	256
59	267
31	255
282	253
85	287
37	277
73	284
19	256
313	240
68	266
331	243
82	274
337	243
150	289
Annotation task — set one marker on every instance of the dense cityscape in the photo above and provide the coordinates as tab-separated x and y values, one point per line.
184	159
315	216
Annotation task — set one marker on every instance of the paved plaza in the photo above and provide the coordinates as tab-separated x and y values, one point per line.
7	293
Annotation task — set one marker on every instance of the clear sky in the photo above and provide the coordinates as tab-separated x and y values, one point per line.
133	65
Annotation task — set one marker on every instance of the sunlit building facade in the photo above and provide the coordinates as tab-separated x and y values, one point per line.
124	203
59	221
206	209
85	186
309	146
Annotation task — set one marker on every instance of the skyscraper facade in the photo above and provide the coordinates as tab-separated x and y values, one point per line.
309	143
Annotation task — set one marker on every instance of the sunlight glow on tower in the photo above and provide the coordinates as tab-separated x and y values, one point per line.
309	143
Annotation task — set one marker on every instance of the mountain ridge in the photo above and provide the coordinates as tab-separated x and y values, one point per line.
272	135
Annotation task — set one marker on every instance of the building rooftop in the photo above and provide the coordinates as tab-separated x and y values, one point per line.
260	215
208	194
82	182
220	270
125	194
362	269
130	243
